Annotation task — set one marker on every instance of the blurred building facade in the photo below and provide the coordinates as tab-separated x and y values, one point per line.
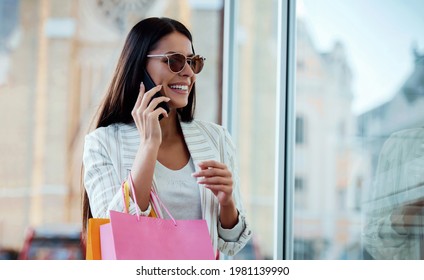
255	99
325	223
60	56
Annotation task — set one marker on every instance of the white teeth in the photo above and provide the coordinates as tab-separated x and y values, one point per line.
180	87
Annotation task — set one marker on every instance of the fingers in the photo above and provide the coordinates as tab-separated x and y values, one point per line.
216	177
147	96
142	106
210	172
216	181
156	113
212	163
213	173
155	102
140	95
212	168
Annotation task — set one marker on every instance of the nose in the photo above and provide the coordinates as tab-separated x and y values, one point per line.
187	71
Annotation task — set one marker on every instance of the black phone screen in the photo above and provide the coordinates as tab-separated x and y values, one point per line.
148	85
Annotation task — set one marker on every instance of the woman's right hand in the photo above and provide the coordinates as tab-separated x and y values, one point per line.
146	117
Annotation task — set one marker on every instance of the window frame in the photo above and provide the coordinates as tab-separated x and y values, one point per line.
285	122
285	127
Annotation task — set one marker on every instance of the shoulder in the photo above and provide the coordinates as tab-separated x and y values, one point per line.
211	130
204	127
410	141
409	134
407	138
109	136
110	131
402	146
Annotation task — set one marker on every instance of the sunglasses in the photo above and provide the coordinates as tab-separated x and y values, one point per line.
177	62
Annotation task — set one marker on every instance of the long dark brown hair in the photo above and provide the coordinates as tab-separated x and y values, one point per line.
123	90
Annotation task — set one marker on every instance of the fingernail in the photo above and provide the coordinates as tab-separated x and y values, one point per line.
141	84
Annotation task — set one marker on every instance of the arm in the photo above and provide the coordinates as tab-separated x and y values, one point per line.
389	207
222	179
231	241
101	179
146	120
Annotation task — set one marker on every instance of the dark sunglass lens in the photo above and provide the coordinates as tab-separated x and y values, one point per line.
176	62
197	64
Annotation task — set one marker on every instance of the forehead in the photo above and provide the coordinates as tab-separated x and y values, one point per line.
174	42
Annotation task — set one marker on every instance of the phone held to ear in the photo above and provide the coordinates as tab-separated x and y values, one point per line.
148	85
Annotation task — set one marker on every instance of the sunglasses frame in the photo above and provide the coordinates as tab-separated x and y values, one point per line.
187	60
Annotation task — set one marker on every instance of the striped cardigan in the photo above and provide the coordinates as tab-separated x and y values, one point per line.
398	183
109	153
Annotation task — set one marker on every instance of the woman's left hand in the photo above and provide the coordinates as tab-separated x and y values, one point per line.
216	177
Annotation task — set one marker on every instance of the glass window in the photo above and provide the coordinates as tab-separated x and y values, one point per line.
255	117
360	85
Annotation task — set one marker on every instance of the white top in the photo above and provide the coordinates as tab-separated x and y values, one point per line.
175	188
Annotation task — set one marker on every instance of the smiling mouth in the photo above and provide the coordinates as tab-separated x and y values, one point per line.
179	87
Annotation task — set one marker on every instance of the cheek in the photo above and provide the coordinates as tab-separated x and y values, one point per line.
159	73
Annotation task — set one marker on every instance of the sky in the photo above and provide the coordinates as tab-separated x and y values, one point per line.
378	36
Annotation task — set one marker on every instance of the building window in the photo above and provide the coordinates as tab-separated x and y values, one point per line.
300	130
299	184
300	198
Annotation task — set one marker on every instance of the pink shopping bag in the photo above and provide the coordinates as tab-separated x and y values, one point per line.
135	237
129	237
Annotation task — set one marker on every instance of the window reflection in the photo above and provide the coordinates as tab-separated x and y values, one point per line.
363	158
395	201
255	117
394	210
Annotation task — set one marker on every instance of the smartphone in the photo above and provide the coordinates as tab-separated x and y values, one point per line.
148	85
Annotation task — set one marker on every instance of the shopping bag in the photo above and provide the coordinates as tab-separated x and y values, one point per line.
93	248
135	237
92	251
129	237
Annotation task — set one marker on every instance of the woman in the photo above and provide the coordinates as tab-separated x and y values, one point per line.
189	163
394	217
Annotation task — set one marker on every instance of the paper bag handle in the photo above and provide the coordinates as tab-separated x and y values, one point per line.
152	193
125	197
134	196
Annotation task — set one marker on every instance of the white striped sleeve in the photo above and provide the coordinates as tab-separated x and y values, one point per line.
101	180
231	241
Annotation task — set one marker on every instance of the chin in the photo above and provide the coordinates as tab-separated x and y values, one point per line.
178	105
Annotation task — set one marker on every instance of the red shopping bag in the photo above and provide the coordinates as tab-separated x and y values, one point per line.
134	237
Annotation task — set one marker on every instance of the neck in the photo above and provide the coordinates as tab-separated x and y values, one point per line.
170	127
